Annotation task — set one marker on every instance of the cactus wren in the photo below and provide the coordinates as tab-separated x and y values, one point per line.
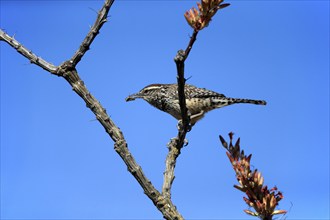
198	100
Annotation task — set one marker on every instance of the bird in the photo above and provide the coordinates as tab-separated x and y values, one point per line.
199	101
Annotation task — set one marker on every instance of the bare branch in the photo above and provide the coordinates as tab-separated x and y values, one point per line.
179	61
197	19
177	143
94	31
68	71
170	163
191	43
27	53
164	205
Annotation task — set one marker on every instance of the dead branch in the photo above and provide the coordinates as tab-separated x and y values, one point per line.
197	19
176	144
68	71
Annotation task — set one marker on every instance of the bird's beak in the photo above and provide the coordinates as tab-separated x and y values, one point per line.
132	97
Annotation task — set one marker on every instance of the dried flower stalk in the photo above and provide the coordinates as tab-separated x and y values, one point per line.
259	197
200	18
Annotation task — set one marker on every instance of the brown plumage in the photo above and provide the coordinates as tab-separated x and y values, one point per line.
198	100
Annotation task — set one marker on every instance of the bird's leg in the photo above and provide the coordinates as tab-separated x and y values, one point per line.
180	123
179	126
196	117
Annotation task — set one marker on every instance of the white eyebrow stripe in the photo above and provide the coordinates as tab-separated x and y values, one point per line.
151	88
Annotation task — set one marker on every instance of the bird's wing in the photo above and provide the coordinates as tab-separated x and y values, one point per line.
194	92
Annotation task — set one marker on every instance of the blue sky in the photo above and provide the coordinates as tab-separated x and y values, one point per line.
58	163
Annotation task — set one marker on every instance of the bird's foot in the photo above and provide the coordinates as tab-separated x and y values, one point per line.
179	126
185	142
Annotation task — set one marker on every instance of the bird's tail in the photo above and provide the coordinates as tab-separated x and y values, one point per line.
250	101
222	102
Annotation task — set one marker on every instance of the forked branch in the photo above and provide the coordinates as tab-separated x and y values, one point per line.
68	71
197	19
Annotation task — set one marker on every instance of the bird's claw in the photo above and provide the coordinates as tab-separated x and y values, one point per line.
180	126
185	142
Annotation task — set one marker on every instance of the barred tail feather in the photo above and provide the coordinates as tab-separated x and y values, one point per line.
250	101
222	102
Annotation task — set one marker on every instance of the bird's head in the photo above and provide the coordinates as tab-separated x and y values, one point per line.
148	93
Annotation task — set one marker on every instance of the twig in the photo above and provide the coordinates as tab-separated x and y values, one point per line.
68	71
191	43
94	31
179	61
27	53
